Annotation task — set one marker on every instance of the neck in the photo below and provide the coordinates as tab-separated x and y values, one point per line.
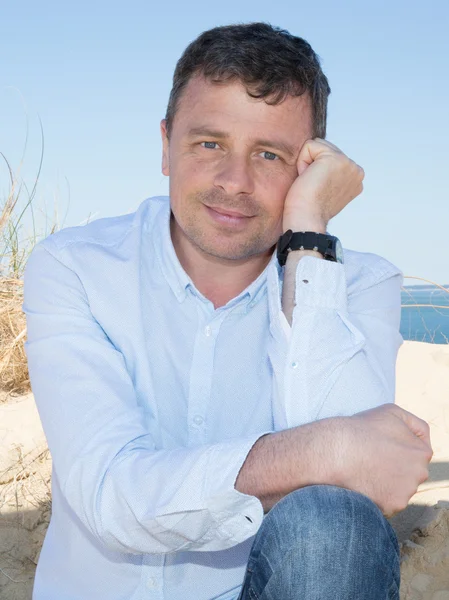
218	279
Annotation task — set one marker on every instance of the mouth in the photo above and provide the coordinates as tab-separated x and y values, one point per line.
229	219
230	213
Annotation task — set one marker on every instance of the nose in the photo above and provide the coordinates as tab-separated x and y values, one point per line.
234	175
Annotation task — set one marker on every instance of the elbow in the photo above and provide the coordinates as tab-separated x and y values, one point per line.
165	534
121	530
132	522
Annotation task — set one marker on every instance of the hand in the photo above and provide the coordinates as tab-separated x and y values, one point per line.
327	181
385	452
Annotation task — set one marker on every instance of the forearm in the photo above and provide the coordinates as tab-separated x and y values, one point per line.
288	289
284	461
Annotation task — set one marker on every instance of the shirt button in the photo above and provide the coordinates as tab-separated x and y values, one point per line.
198	419
152	582
208	330
294	365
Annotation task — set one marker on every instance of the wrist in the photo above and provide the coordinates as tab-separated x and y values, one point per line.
332	450
341	455
294	256
304	225
303	222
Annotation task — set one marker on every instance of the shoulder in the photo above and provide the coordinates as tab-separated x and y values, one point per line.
107	232
364	269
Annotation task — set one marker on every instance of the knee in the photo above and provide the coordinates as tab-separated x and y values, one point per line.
326	542
331	516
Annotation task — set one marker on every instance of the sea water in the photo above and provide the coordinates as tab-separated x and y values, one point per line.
425	323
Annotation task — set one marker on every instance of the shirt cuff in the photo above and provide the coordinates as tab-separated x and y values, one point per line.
320	283
240	515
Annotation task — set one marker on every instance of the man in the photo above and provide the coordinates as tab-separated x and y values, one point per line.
217	394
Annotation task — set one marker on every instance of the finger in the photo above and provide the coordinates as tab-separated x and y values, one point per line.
310	151
339	151
314	147
328	143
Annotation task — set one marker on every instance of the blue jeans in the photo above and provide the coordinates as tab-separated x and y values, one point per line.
323	543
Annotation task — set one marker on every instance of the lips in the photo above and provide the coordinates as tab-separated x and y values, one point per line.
229	213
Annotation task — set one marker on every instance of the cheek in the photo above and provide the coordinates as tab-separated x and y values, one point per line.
187	184
275	185
190	174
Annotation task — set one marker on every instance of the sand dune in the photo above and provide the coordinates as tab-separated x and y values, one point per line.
423	389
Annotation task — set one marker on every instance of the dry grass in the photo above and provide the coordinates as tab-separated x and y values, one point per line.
27	479
25	483
14	378
14	252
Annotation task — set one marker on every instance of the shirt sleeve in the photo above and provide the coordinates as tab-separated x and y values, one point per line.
341	350
132	496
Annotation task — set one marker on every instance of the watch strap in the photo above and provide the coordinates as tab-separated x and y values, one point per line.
306	240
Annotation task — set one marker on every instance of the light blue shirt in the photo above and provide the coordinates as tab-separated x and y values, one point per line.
151	399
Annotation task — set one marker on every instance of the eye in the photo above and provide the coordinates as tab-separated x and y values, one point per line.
210	145
270	155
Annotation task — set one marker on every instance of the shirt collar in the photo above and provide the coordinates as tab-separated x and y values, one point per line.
178	279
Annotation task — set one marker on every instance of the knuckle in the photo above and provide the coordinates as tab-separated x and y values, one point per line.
358	171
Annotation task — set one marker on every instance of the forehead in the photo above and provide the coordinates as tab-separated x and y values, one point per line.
204	103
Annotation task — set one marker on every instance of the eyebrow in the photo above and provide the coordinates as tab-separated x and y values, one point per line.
275	144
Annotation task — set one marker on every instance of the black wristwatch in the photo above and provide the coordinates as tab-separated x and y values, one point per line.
327	245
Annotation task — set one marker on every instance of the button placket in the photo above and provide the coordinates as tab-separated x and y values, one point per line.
201	378
152	578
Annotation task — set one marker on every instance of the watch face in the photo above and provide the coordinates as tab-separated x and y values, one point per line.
339	251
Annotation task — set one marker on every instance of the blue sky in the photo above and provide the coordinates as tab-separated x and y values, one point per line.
98	75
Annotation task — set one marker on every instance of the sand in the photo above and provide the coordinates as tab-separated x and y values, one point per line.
25	495
423	528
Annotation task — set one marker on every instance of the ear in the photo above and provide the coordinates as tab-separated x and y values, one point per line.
165	148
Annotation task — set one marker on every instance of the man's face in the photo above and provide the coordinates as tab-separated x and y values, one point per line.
230	152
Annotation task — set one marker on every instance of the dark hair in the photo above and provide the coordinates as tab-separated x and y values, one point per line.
271	63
